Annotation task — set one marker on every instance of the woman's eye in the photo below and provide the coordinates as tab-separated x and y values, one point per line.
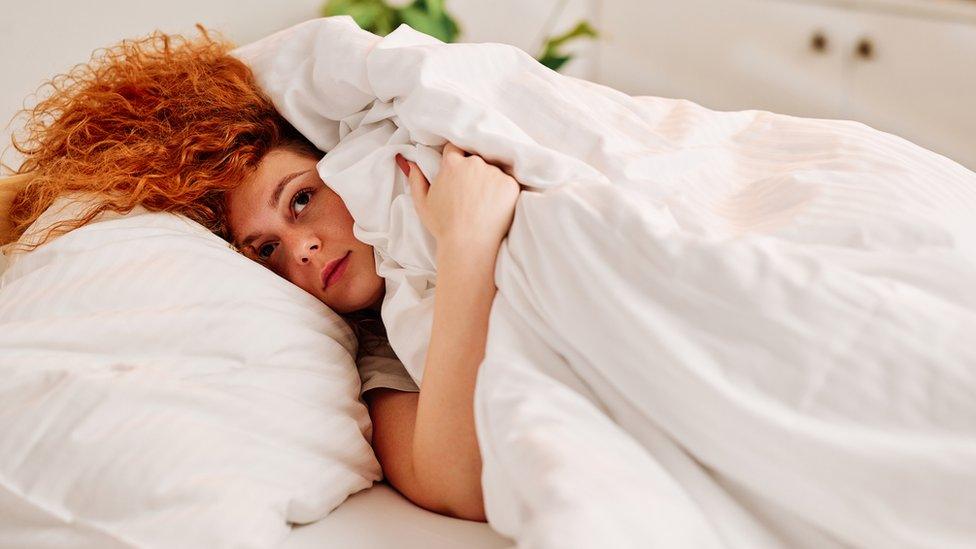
265	251
302	198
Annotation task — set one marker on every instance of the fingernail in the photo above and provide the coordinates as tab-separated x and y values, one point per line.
404	166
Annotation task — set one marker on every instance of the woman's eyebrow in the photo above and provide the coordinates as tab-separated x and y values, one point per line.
273	202
276	195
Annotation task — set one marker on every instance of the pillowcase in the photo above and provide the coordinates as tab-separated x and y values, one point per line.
159	389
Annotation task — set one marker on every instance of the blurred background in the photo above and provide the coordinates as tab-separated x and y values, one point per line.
903	66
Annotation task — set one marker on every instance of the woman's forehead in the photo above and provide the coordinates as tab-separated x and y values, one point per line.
259	196
248	211
267	191
275	170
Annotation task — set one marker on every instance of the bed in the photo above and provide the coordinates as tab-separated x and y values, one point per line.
379	517
791	315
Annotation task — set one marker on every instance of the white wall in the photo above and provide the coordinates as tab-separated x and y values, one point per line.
41	38
646	47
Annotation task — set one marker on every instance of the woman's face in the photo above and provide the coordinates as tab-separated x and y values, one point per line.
285	218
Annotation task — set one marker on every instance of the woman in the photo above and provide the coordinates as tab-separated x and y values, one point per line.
283	216
179	125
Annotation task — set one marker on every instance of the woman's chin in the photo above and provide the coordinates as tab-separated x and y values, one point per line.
338	306
348	304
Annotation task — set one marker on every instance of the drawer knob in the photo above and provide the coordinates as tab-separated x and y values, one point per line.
865	48
818	42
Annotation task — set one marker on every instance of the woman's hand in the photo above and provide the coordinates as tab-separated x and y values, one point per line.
471	202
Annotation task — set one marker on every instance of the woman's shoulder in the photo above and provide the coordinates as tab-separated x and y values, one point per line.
374	343
371	335
376	361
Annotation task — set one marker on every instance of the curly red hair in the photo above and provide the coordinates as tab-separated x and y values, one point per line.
163	121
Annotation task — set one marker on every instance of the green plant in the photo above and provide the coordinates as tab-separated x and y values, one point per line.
552	56
430	17
378	17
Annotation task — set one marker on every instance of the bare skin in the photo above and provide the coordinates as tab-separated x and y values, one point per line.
9	188
424	441
307	228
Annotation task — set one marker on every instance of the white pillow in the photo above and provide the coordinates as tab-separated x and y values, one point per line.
159	389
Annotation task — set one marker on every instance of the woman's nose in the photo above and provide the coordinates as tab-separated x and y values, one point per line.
306	250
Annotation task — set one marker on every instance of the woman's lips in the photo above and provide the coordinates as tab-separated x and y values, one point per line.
334	270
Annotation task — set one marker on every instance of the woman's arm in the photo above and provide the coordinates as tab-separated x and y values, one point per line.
446	455
394	414
437	464
426	442
468	209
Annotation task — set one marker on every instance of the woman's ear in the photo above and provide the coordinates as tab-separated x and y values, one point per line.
9	188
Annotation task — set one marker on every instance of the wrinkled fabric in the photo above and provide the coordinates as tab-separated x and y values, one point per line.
159	389
712	329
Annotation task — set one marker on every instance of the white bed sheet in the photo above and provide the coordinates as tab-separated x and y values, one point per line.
380	518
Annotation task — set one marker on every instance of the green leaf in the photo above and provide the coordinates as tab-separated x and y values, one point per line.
366	16
440	26
581	30
335	7
375	16
434	7
554	62
387	22
453	29
552	56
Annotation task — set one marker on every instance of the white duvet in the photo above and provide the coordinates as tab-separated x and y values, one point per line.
712	329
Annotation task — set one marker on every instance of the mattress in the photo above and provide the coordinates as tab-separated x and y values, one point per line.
379	518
